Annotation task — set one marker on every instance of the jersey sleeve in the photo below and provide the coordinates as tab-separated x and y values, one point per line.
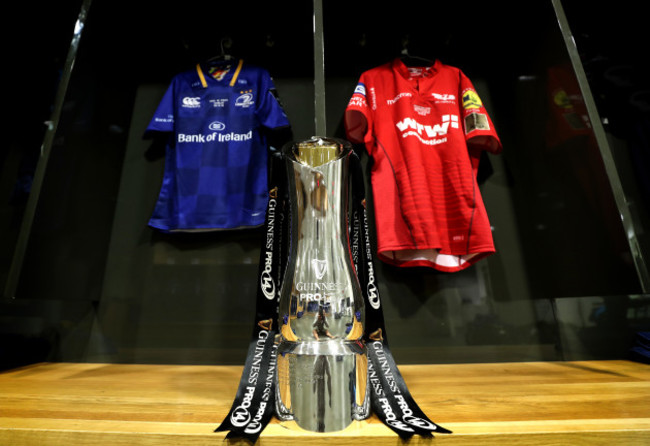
357	115
479	129
163	118
270	112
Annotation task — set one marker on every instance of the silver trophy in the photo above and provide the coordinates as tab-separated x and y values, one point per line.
322	366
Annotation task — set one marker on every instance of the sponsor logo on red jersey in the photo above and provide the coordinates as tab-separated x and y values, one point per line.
428	134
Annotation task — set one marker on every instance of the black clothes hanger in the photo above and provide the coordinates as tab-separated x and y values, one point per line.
410	60
224	56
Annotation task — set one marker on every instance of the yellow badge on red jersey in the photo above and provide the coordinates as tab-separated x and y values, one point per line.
471	100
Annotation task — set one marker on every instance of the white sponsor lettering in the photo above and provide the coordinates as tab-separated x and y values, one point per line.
219	103
225	137
428	134
166	120
398	97
240	415
191	138
219	137
266	282
319	286
422	111
401	402
399	425
257	357
391	418
407	416
371	288
358	101
255	426
319	291
374	380
271	224
373	292
385	366
444	97
373	98
419	422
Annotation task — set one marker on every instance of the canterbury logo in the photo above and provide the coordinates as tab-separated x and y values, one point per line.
265	324
189	102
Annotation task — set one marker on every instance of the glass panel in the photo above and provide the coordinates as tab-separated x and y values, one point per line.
37	66
604	327
124	292
614	326
98	285
556	226
617	78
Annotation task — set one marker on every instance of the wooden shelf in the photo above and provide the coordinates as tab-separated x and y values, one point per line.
534	403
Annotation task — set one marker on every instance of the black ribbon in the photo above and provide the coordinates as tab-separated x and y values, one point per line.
254	402
390	398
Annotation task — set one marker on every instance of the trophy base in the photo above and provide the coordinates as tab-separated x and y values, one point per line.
322	392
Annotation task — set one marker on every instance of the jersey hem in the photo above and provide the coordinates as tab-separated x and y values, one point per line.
173	230
385	257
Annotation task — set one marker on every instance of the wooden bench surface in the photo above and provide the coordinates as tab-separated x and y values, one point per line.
538	403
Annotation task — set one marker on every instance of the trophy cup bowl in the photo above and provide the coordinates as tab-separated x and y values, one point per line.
322	366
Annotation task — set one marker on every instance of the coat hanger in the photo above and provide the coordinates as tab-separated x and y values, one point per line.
224	56
410	60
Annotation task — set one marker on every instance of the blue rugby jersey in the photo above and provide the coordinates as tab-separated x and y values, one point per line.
216	158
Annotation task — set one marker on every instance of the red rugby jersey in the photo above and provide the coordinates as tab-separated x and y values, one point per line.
425	128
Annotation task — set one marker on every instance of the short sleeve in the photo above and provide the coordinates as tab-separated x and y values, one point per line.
270	112
479	129
357	115
163	118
